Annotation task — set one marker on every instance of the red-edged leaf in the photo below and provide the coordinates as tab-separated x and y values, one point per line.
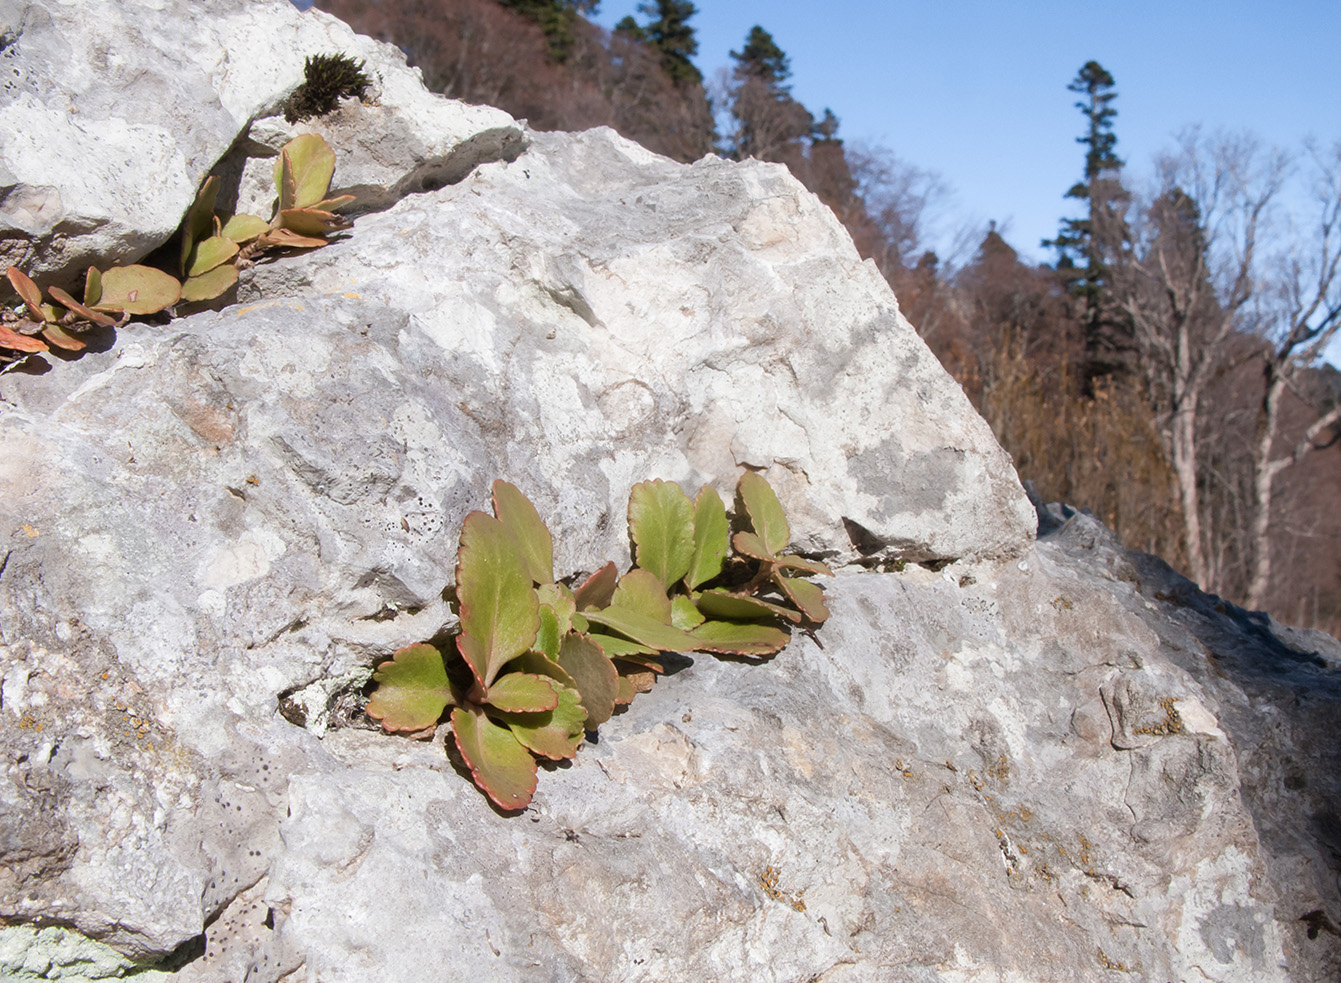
553	734
765	512
413	689
26	289
597	680
622	648
596	590
711	538
644	592
542	666
741	607
61	338
288	239
498	762
312	221
751	545
20	342
731	638
805	595
661	525
786	561
87	313
516	512
641	628
499	610
521	692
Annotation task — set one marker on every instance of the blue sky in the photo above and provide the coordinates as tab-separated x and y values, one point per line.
975	90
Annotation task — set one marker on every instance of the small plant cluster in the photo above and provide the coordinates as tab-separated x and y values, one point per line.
537	664
326	80
214	247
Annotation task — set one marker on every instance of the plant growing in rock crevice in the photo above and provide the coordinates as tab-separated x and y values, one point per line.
213	248
326	80
536	664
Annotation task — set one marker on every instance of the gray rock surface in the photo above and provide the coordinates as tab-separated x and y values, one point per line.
113	111
1050	761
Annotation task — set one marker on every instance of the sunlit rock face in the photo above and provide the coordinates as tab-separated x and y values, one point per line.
1000	759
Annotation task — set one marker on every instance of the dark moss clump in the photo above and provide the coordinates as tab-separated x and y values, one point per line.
327	79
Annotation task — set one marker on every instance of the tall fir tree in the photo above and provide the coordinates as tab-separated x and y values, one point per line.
770	124
762	58
1088	246
669	32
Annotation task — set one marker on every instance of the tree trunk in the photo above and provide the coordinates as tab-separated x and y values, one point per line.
1184	447
1264	477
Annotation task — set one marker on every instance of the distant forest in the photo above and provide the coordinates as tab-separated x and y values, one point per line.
1163	372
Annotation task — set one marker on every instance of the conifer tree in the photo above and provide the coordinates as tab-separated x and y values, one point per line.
1088	246
762	58
669	32
770	124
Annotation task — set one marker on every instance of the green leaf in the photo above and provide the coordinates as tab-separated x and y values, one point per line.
597	680
661	524
596	590
199	221
537	663
331	204
787	561
644	592
711	538
499	610
805	595
730	638
553	734
413	689
642	628
498	762
751	545
303	172
616	647
92	287
209	253
740	607
516	512
547	638
684	615
522	692
765	511
559	599
244	228
209	285
137	290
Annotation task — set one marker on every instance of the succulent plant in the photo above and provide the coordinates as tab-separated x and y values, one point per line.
536	664
37	326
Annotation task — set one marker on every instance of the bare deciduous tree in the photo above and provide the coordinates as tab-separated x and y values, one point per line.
1189	273
1298	315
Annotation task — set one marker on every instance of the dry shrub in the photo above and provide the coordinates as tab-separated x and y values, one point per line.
1102	453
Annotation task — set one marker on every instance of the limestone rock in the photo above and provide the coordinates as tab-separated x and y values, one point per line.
113	111
648	317
1049	761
